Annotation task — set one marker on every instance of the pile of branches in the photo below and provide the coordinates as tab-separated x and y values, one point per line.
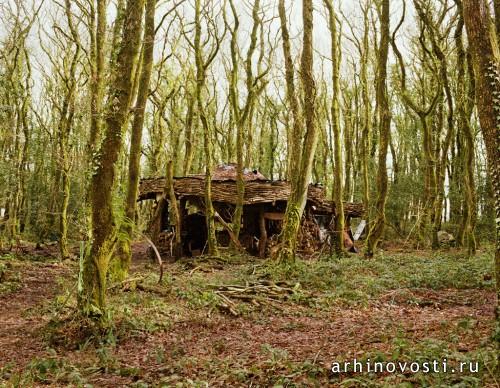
309	237
258	293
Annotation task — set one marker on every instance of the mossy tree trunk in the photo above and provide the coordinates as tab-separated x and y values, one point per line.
124	252
67	112
202	65
429	165
242	115
484	49
298	196
384	121
92	300
174	208
191	124
465	87
367	114
337	147
295	132
437	42
97	34
16	136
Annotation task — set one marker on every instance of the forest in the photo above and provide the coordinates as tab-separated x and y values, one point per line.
240	193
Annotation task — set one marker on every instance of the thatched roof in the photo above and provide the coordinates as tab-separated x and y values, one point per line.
227	172
258	189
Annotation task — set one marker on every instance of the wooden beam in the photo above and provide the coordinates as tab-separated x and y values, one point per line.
263	234
275	216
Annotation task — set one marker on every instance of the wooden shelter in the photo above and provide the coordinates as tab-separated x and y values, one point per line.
263	213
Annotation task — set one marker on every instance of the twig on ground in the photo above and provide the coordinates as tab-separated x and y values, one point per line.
157	253
157	290
124	282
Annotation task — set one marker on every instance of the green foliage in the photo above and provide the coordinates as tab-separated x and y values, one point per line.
353	280
139	313
198	298
47	370
10	279
128	315
185	295
359	280
428	350
316	274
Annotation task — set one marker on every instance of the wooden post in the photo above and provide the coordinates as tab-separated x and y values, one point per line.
263	235
174	210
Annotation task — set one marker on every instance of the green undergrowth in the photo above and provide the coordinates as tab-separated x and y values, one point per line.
31	256
434	270
273	366
353	280
11	264
479	366
10	280
350	280
10	276
130	314
143	307
50	369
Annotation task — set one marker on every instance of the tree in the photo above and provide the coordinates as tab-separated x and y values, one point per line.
202	64
295	135
442	148
423	113
485	59
16	81
367	121
124	253
97	33
335	113
104	229
241	115
384	122
465	88
307	148
67	113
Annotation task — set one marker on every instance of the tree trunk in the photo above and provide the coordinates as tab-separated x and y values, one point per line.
97	55
429	165
487	75
65	126
242	116
124	253
338	239
441	154
191	123
468	220
367	121
92	300
300	184
384	120
201	68
295	134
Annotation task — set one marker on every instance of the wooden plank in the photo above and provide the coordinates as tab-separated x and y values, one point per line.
359	230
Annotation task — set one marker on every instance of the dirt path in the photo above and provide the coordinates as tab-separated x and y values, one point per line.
19	331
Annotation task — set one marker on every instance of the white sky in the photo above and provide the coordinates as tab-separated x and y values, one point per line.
50	14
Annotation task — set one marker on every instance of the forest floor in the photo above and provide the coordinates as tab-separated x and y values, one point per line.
232	321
